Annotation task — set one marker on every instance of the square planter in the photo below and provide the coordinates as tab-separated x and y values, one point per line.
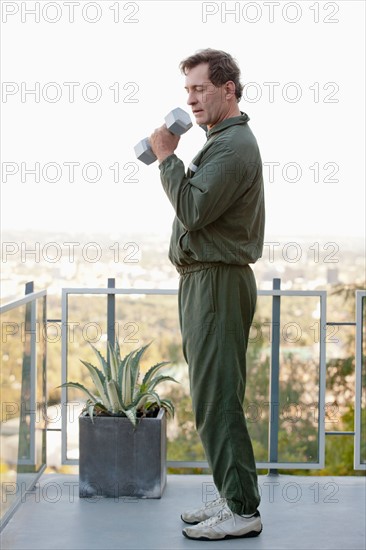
118	460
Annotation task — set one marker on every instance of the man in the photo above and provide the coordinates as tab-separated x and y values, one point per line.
217	232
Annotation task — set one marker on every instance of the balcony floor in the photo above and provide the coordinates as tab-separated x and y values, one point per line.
298	512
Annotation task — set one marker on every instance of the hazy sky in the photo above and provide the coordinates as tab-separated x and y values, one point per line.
106	73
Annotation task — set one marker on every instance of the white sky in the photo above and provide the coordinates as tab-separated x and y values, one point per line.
325	60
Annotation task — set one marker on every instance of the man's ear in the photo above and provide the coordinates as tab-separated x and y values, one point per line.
230	89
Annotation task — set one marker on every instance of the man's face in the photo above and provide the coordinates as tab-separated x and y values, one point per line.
208	102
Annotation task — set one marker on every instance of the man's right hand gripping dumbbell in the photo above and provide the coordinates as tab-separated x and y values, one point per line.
178	122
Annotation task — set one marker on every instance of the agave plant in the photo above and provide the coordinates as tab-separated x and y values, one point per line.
117	388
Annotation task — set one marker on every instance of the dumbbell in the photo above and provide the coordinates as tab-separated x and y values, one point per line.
177	121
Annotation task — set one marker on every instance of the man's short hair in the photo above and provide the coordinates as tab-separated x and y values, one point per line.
221	67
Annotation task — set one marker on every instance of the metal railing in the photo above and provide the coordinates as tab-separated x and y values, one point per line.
23	422
274	398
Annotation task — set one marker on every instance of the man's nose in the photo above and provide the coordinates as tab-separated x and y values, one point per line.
191	99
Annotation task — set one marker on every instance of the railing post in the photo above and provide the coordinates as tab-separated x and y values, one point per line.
359	454
64	373
111	315
29	287
274	388
27	428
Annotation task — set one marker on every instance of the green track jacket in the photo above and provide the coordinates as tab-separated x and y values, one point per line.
219	202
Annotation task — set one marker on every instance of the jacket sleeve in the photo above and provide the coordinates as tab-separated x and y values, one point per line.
200	199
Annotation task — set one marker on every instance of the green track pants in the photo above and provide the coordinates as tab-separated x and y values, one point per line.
216	308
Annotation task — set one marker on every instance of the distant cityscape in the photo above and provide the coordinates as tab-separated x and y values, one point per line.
57	260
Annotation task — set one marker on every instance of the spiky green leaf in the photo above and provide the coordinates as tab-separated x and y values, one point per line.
135	363
151	372
146	398
131	415
104	365
113	396
90	409
140	401
158	379
121	368
79	387
168	406
99	381
126	387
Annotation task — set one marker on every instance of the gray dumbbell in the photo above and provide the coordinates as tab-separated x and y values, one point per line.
177	121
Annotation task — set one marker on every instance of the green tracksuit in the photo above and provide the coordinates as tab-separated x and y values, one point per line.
217	232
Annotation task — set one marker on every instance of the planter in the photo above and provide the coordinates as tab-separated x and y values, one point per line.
118	460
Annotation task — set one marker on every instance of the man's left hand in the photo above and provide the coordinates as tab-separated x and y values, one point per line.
163	143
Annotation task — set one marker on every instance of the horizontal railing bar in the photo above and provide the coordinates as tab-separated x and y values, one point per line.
22	301
337	324
328	323
120	291
339	433
259	465
175	291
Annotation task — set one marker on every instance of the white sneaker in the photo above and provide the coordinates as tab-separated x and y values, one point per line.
200	514
225	525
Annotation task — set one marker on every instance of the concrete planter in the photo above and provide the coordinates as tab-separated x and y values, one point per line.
116	460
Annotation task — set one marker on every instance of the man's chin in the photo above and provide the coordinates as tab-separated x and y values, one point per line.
201	120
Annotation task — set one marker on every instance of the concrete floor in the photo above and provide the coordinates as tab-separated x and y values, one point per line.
301	513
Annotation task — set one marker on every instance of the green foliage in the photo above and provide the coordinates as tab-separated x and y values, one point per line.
117	390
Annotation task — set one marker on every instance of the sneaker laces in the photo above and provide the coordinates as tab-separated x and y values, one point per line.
223	514
216	502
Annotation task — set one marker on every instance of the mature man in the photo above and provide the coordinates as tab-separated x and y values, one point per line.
217	232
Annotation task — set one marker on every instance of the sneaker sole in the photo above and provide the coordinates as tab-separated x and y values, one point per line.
189	522
251	534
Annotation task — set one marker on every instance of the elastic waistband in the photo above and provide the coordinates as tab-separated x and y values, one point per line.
199	266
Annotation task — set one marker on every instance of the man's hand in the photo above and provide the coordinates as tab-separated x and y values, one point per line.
163	143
